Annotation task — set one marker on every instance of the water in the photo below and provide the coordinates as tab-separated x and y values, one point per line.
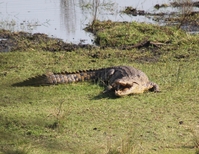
66	19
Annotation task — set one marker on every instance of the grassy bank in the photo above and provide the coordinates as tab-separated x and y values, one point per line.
78	118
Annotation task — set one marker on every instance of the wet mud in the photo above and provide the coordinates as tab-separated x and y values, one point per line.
22	41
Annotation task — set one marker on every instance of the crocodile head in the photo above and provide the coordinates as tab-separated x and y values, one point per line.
128	86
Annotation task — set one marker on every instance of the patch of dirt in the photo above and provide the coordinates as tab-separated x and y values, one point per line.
183	57
143	44
22	41
147	59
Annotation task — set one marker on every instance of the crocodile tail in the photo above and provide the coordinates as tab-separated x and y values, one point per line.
65	77
57	78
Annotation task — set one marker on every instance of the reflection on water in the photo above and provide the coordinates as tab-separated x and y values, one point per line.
66	19
68	15
73	21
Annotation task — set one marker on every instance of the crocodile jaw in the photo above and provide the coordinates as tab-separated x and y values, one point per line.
125	88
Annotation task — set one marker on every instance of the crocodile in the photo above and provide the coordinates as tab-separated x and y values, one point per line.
123	80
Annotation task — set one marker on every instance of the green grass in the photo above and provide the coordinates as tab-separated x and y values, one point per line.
77	118
119	34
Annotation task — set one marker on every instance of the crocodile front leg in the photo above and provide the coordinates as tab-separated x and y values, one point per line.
154	87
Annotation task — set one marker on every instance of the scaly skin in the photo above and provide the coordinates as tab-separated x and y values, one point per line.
124	80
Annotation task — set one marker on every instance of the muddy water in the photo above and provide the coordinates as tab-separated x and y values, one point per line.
66	19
